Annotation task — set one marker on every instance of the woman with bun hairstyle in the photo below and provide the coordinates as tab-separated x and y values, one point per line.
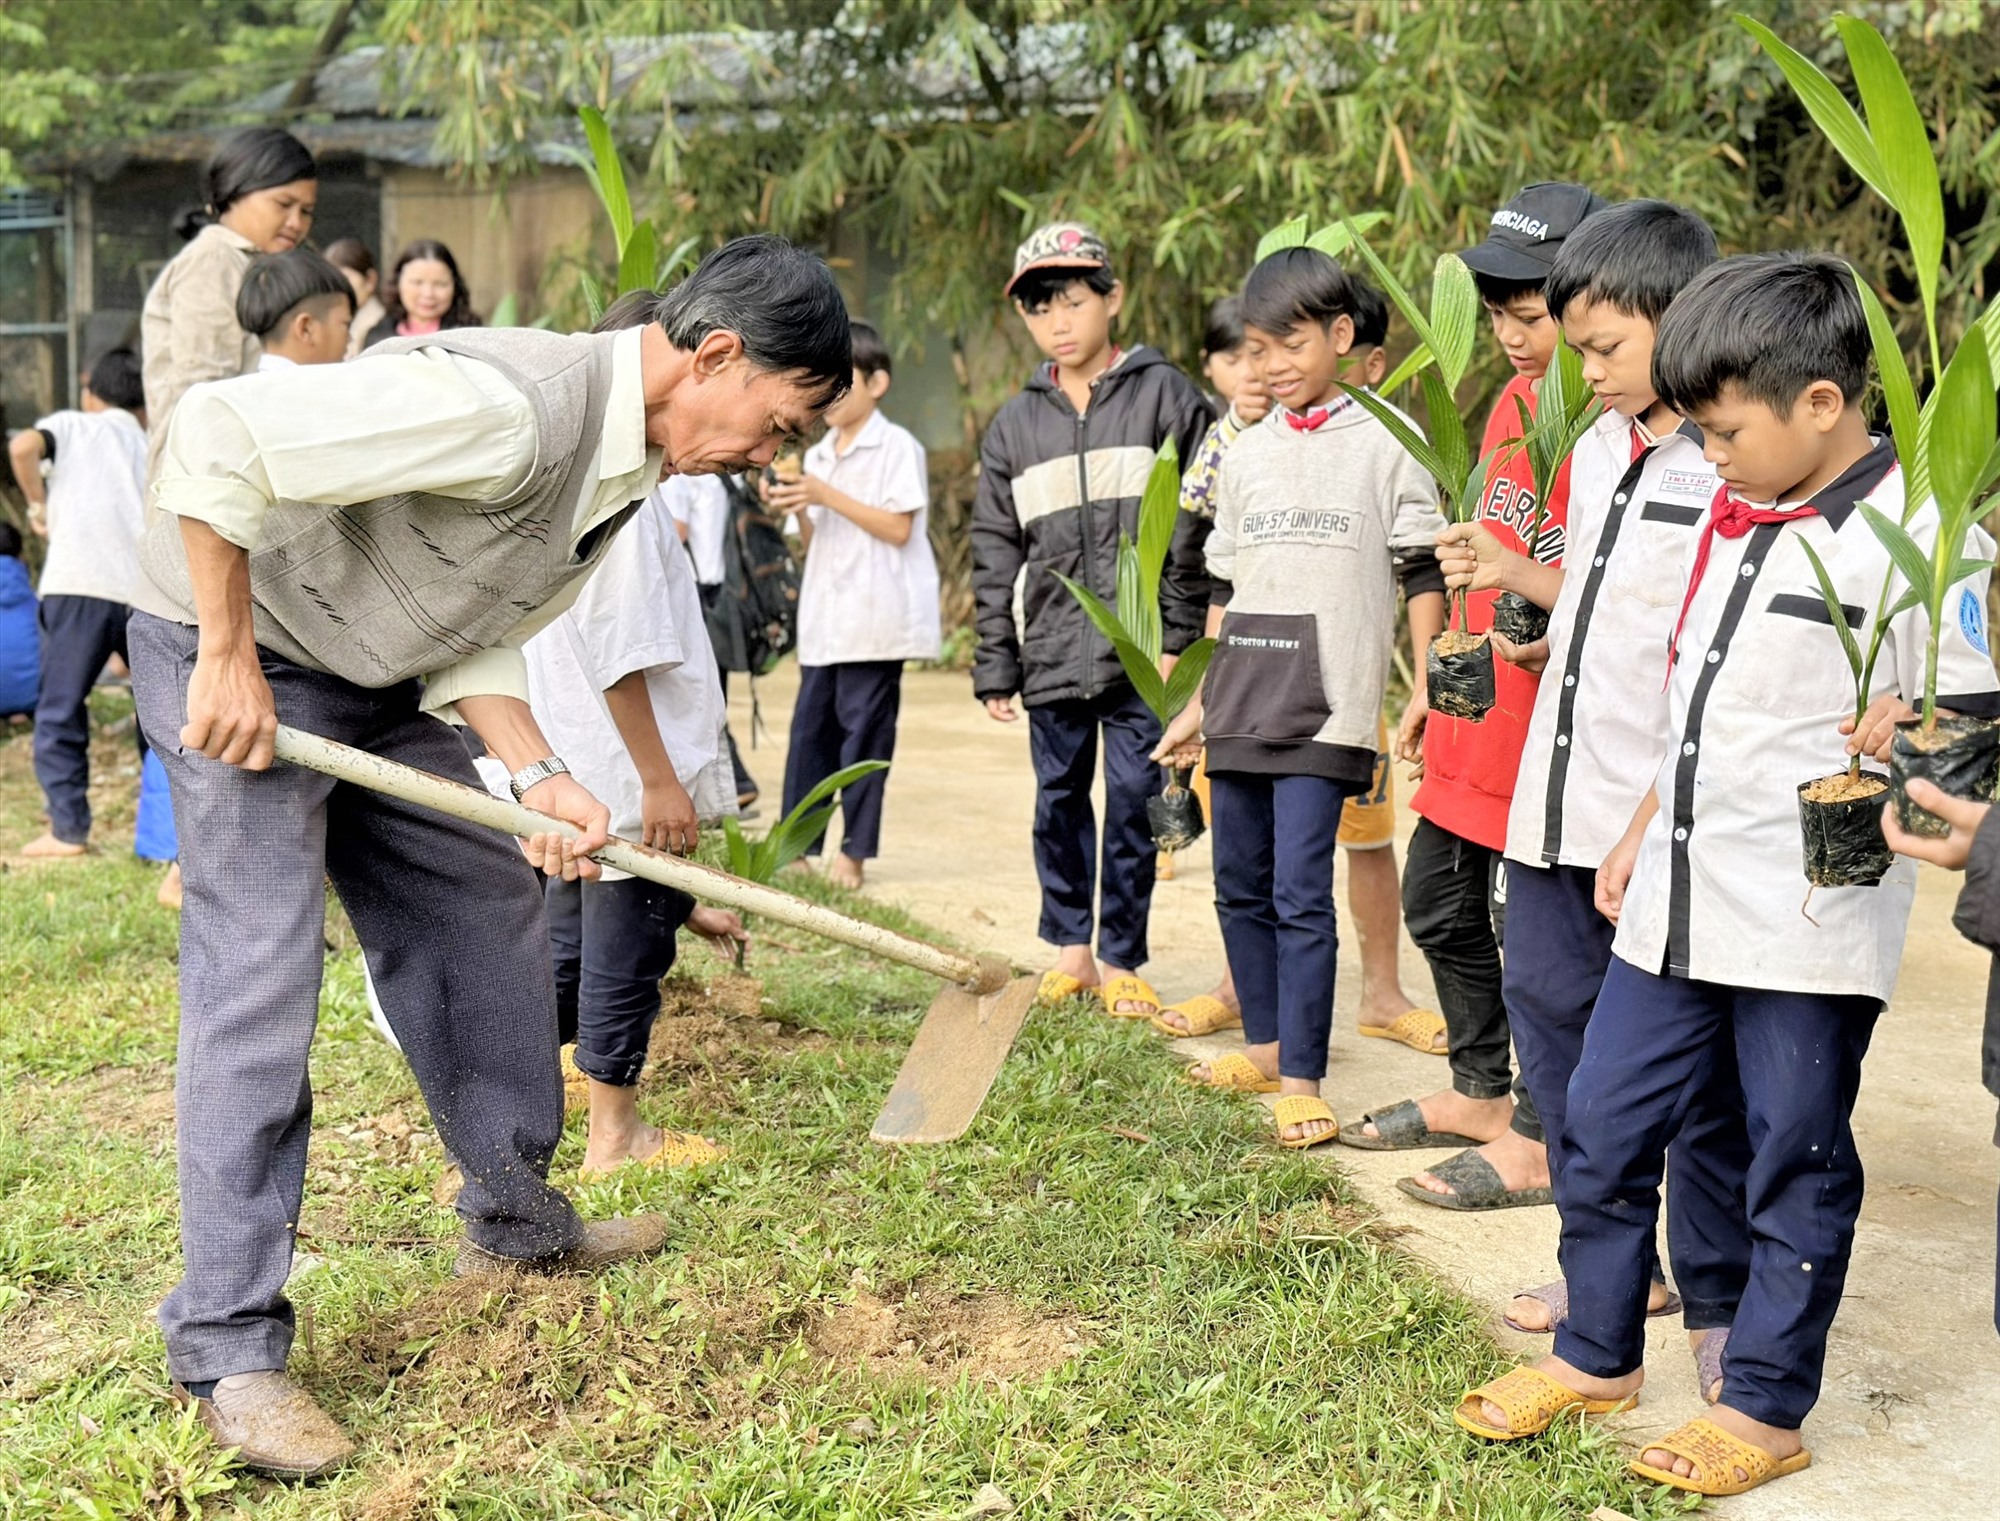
425	294
262	186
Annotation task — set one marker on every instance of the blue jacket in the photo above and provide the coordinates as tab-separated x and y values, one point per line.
20	639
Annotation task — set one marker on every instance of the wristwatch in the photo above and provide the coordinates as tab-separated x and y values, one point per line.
541	771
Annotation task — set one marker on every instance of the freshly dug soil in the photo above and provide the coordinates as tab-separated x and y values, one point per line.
1960	756
1840	829
1458	675
1517	620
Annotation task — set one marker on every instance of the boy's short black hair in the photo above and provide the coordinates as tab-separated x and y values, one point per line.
116	380
1038	287
1371	313
1635	256
1296	285
1497	291
276	285
1223	333
871	354
1770	324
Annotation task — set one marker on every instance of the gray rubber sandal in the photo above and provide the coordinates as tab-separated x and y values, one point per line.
1401	1128
1475	1186
1556	1297
1708	1362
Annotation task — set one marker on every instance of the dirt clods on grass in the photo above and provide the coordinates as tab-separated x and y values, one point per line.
941	1338
718	1026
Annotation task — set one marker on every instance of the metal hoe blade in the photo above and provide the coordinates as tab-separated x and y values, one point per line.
960	1046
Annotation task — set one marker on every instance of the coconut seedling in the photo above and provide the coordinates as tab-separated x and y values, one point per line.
1458	666
1135	635
641	263
1564	411
1945	441
760	860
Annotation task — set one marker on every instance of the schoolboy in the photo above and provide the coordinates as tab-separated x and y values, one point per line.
1061	473
1367	820
1639	489
298	306
84	476
1455	879
868	601
1767	354
1319	513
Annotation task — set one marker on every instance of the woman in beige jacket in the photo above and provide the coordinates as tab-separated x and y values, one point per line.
262	188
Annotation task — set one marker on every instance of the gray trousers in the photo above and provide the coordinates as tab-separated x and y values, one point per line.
450	920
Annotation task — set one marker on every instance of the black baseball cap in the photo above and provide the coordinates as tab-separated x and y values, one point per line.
1528	232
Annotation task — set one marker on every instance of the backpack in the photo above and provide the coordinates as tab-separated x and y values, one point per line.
753	621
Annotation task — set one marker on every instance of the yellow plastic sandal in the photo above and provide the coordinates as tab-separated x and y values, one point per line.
1416	1028
1204	1016
1058	987
1301	1109
1237	1072
678	1148
1717	1455
1129	989
1532	1402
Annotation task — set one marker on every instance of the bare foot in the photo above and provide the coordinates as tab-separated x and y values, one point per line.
1570	1378
1263	1058
844	871
1776	1440
1532	1314
1307	1130
170	887
607	1149
1163	868
46	847
1521	1163
1224	994
1127	1005
1455	1114
1712	1392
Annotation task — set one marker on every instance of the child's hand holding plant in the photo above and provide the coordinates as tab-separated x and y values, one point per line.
797	494
1963	816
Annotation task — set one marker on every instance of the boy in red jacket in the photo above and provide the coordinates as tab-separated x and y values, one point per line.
1454	875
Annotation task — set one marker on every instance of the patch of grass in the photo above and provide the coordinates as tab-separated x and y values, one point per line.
1189	1325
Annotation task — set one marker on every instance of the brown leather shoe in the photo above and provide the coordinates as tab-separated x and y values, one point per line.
604	1242
274	1425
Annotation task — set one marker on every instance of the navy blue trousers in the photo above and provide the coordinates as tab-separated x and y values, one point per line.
1063	742
1558	950
79	634
1274	840
1649	1054
612	943
845	713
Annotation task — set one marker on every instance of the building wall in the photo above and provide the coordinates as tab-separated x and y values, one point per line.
502	247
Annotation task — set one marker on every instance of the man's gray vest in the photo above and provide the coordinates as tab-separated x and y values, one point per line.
405	585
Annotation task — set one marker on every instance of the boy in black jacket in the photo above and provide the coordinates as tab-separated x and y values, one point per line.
1062	469
1974	849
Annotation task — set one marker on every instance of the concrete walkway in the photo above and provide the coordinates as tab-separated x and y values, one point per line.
1908	1428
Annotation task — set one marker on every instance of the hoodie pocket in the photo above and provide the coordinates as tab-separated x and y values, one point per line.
1264	679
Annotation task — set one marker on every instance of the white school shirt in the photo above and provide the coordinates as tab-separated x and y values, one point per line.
97	504
1597	730
1758	692
275	362
640	610
701	502
863	598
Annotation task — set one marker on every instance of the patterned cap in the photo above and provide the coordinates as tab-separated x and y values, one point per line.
1060	245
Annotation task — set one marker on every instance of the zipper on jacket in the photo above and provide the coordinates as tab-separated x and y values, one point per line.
1087	529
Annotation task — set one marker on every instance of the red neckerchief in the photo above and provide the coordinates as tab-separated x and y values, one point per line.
1732	517
1314	418
1638	443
